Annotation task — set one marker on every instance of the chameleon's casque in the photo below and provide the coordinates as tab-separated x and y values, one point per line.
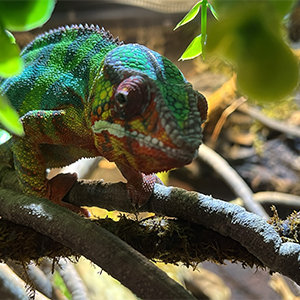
83	93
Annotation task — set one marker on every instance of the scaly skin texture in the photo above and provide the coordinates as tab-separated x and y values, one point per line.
83	93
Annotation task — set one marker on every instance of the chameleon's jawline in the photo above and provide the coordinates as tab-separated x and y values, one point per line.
183	155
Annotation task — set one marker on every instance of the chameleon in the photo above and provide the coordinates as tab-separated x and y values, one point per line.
84	93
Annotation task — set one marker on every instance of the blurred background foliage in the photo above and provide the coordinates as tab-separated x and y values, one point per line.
250	35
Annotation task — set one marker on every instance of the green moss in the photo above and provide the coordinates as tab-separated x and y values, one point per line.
159	239
23	244
280	110
288	229
173	241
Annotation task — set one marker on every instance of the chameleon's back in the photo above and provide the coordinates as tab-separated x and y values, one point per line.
59	67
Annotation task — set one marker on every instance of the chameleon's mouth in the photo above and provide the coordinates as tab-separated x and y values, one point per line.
182	154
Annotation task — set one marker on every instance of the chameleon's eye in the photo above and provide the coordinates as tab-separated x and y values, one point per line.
121	98
132	97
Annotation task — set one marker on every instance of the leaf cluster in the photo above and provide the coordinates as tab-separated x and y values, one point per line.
250	35
196	47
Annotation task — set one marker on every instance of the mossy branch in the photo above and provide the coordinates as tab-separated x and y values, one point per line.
228	221
251	231
94	242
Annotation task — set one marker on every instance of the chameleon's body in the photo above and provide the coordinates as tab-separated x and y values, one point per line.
84	94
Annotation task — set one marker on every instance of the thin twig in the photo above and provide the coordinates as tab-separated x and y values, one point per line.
275	198
72	280
231	177
271	123
36	275
13	287
225	114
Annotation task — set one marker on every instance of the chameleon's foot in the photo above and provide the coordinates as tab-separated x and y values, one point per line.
140	191
139	185
59	186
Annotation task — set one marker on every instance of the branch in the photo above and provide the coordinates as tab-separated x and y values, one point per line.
231	177
12	287
162	239
257	236
275	198
97	244
251	231
280	126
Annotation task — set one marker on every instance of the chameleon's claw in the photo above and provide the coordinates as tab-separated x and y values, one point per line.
138	198
141	191
59	186
139	185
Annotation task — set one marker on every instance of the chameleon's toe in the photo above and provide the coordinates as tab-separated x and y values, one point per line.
141	191
59	186
139	185
138	198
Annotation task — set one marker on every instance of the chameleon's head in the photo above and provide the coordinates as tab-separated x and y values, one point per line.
144	112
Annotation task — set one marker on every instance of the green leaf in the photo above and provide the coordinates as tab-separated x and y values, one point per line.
252	40
60	284
214	13
280	7
11	67
11	37
267	70
25	15
194	49
10	62
190	15
9	117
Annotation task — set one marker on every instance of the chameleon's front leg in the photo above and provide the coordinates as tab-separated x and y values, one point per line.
30	163
139	185
31	171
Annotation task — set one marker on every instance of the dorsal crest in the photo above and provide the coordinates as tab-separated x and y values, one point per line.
72	32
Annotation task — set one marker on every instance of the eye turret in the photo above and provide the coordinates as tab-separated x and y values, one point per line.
131	97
